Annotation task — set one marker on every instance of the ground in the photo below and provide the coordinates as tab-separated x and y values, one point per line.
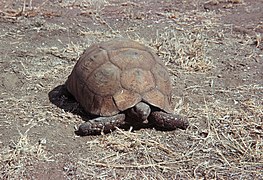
213	50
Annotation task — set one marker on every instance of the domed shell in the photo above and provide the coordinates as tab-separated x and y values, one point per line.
115	75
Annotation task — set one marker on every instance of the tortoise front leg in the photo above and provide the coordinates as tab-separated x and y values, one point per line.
101	124
168	121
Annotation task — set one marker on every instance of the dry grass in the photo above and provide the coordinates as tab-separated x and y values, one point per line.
70	52
186	50
19	155
141	153
225	137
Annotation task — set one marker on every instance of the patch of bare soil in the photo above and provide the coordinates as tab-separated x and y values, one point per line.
213	50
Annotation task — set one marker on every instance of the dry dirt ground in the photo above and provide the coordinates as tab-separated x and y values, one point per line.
213	50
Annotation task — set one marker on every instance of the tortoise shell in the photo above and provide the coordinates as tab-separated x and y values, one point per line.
113	76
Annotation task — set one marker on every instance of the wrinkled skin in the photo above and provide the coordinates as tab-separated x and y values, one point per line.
140	113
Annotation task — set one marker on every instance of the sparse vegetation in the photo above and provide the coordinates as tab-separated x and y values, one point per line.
184	50
19	155
216	67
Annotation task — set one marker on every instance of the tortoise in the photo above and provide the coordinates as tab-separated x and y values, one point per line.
121	81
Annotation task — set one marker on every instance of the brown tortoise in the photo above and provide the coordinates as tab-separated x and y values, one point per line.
122	82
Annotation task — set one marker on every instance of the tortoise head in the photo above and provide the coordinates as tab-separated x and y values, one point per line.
141	111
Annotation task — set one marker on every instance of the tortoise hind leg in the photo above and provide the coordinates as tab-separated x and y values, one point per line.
101	124
167	121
